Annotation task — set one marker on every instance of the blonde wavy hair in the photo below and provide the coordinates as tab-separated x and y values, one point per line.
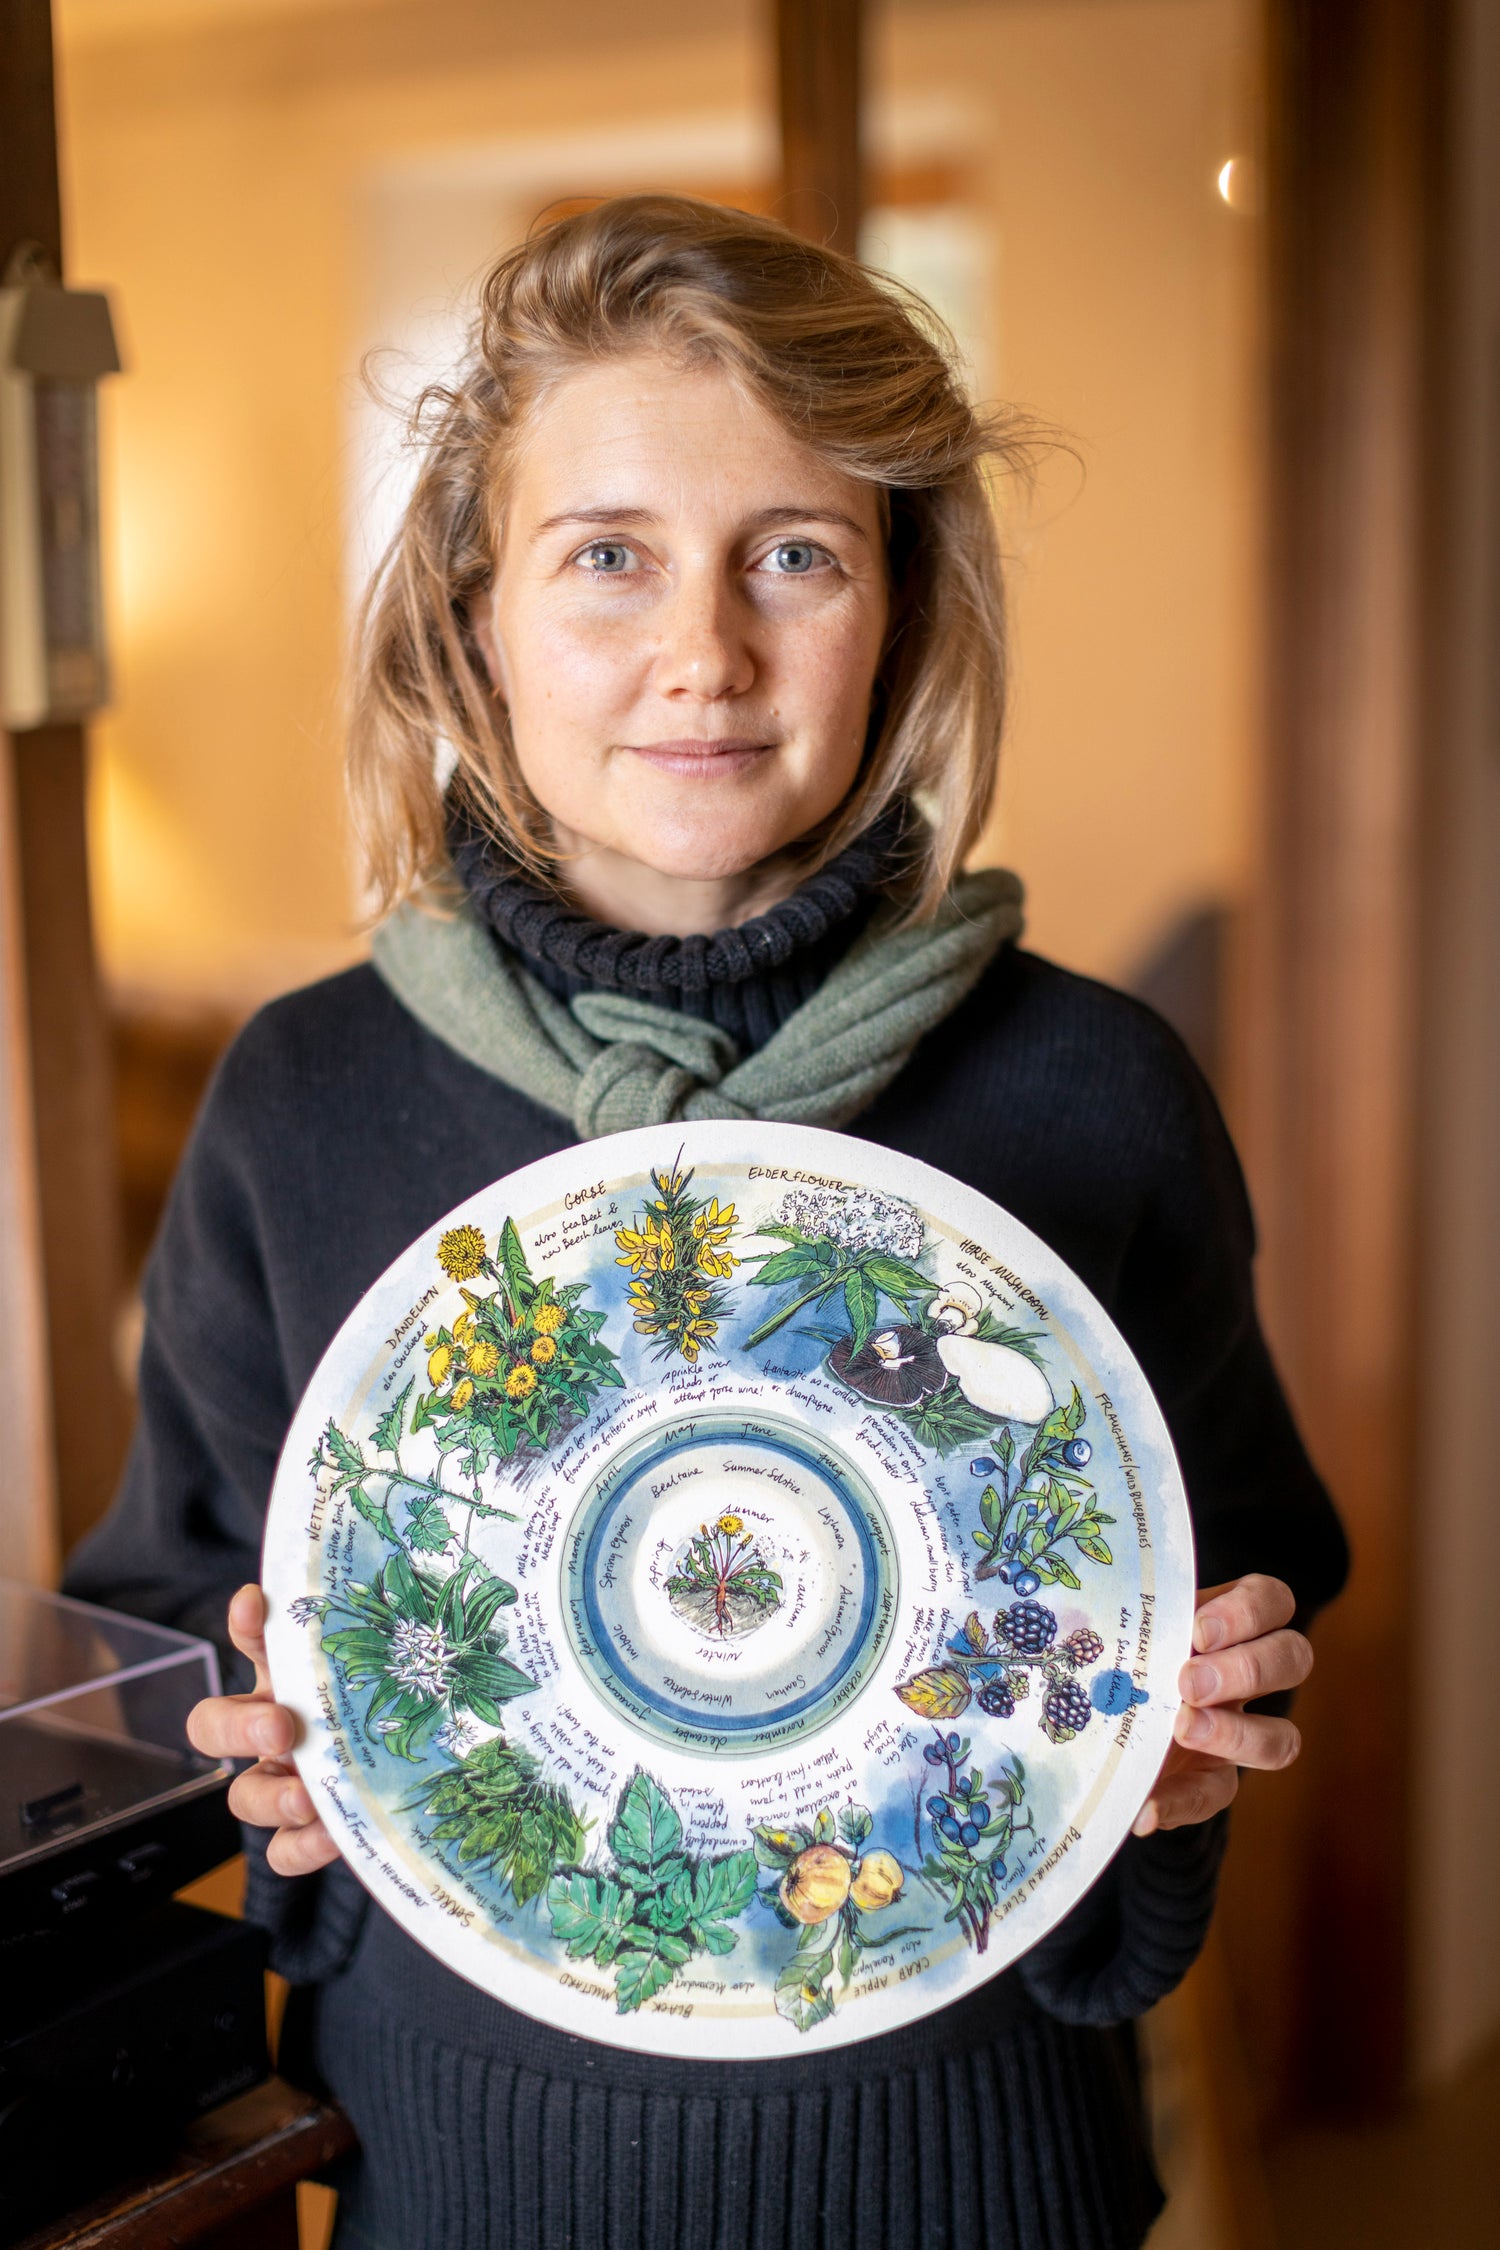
851	363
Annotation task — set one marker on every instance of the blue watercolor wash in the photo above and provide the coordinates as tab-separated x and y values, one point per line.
1114	1692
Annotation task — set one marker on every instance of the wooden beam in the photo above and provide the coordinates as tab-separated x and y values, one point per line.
818	76
1317	1895
69	1055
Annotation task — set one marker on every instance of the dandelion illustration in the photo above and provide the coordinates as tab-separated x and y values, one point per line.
547	1319
461	1253
482	1356
520	1382
543	1350
721	1582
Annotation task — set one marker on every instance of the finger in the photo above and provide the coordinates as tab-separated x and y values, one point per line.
1242	1611
299	1851
247	1630
1220	1732
271	1795
1252	1668
1188	1795
240	1726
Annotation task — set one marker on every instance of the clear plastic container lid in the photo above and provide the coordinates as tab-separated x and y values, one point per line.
93	1718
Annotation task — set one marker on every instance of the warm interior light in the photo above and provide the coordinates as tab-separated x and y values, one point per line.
1226	180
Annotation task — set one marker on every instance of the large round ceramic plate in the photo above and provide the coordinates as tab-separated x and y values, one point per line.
732	1580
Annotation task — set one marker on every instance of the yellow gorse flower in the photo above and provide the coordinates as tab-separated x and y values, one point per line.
712	1229
461	1253
462	1393
520	1382
543	1349
483	1356
695	1334
547	1319
648	1248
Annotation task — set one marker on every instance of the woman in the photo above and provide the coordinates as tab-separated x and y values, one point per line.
697	607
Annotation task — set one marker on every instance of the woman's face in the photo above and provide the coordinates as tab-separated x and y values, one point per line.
687	613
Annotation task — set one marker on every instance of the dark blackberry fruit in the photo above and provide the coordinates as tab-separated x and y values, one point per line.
1029	1627
996	1700
1084	1646
1067	1707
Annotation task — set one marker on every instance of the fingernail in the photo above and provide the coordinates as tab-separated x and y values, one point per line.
1200	1681
1145	1821
1194	1726
1211	1632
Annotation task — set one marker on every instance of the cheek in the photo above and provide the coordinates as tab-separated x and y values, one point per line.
563	673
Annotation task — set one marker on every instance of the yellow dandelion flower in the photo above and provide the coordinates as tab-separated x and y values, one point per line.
483	1356
543	1349
520	1382
547	1319
731	1526
439	1364
462	1393
461	1253
430	1338
462	1327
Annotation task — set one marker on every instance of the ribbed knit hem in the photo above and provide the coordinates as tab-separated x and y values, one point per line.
1132	1939
1033	2142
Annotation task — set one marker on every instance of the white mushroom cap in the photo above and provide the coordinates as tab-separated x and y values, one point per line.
999	1381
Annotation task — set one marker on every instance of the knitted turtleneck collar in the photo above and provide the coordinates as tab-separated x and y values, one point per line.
748	980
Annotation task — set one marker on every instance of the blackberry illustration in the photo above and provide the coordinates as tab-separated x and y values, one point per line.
996	1700
1067	1706
1028	1626
1084	1646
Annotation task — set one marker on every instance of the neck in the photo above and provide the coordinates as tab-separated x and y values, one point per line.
627	895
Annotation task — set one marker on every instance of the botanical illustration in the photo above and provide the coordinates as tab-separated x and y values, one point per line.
993	1669
971	1836
497	1815
677	1252
1049	1505
654	1905
825	1885
937	1359
721	1582
520	1364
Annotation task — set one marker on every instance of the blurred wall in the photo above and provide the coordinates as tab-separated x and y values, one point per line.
229	165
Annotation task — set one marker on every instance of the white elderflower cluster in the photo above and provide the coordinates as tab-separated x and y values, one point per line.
420	1658
861	1220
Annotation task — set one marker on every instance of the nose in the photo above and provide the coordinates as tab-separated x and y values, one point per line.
704	653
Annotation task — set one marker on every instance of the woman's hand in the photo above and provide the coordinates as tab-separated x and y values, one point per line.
1245	1652
267	1794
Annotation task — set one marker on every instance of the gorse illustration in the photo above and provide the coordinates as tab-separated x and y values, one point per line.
968	1864
1026	1524
827	1885
993	1670
655	1905
521	1363
722	1583
940	1362
678	1255
498	1816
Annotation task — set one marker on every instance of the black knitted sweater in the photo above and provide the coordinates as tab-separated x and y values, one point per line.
337	1129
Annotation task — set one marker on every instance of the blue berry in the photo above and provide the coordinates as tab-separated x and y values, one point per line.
980	1815
983	1467
1077	1453
968	1834
1004	1574
1026	1582
932	1754
1028	1626
949	1827
953	1742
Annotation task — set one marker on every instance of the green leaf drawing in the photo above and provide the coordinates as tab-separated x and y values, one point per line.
387	1434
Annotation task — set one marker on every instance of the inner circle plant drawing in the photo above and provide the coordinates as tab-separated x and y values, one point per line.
732	1581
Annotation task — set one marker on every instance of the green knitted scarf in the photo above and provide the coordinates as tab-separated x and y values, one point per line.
609	1061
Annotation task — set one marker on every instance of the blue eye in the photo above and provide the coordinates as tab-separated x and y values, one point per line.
794	558
608	558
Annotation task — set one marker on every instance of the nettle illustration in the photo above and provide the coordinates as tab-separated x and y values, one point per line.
993	1670
678	1256
520	1364
498	1816
972	1837
939	1360
655	1905
825	1884
721	1582
1049	1505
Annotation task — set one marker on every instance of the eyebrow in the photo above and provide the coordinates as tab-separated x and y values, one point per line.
762	519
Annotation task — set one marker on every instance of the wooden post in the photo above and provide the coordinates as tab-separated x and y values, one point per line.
1316	1895
818	60
69	1052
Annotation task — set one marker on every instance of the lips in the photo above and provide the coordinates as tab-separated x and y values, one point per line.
699	759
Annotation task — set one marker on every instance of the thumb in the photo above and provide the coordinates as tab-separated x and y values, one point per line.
247	1630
